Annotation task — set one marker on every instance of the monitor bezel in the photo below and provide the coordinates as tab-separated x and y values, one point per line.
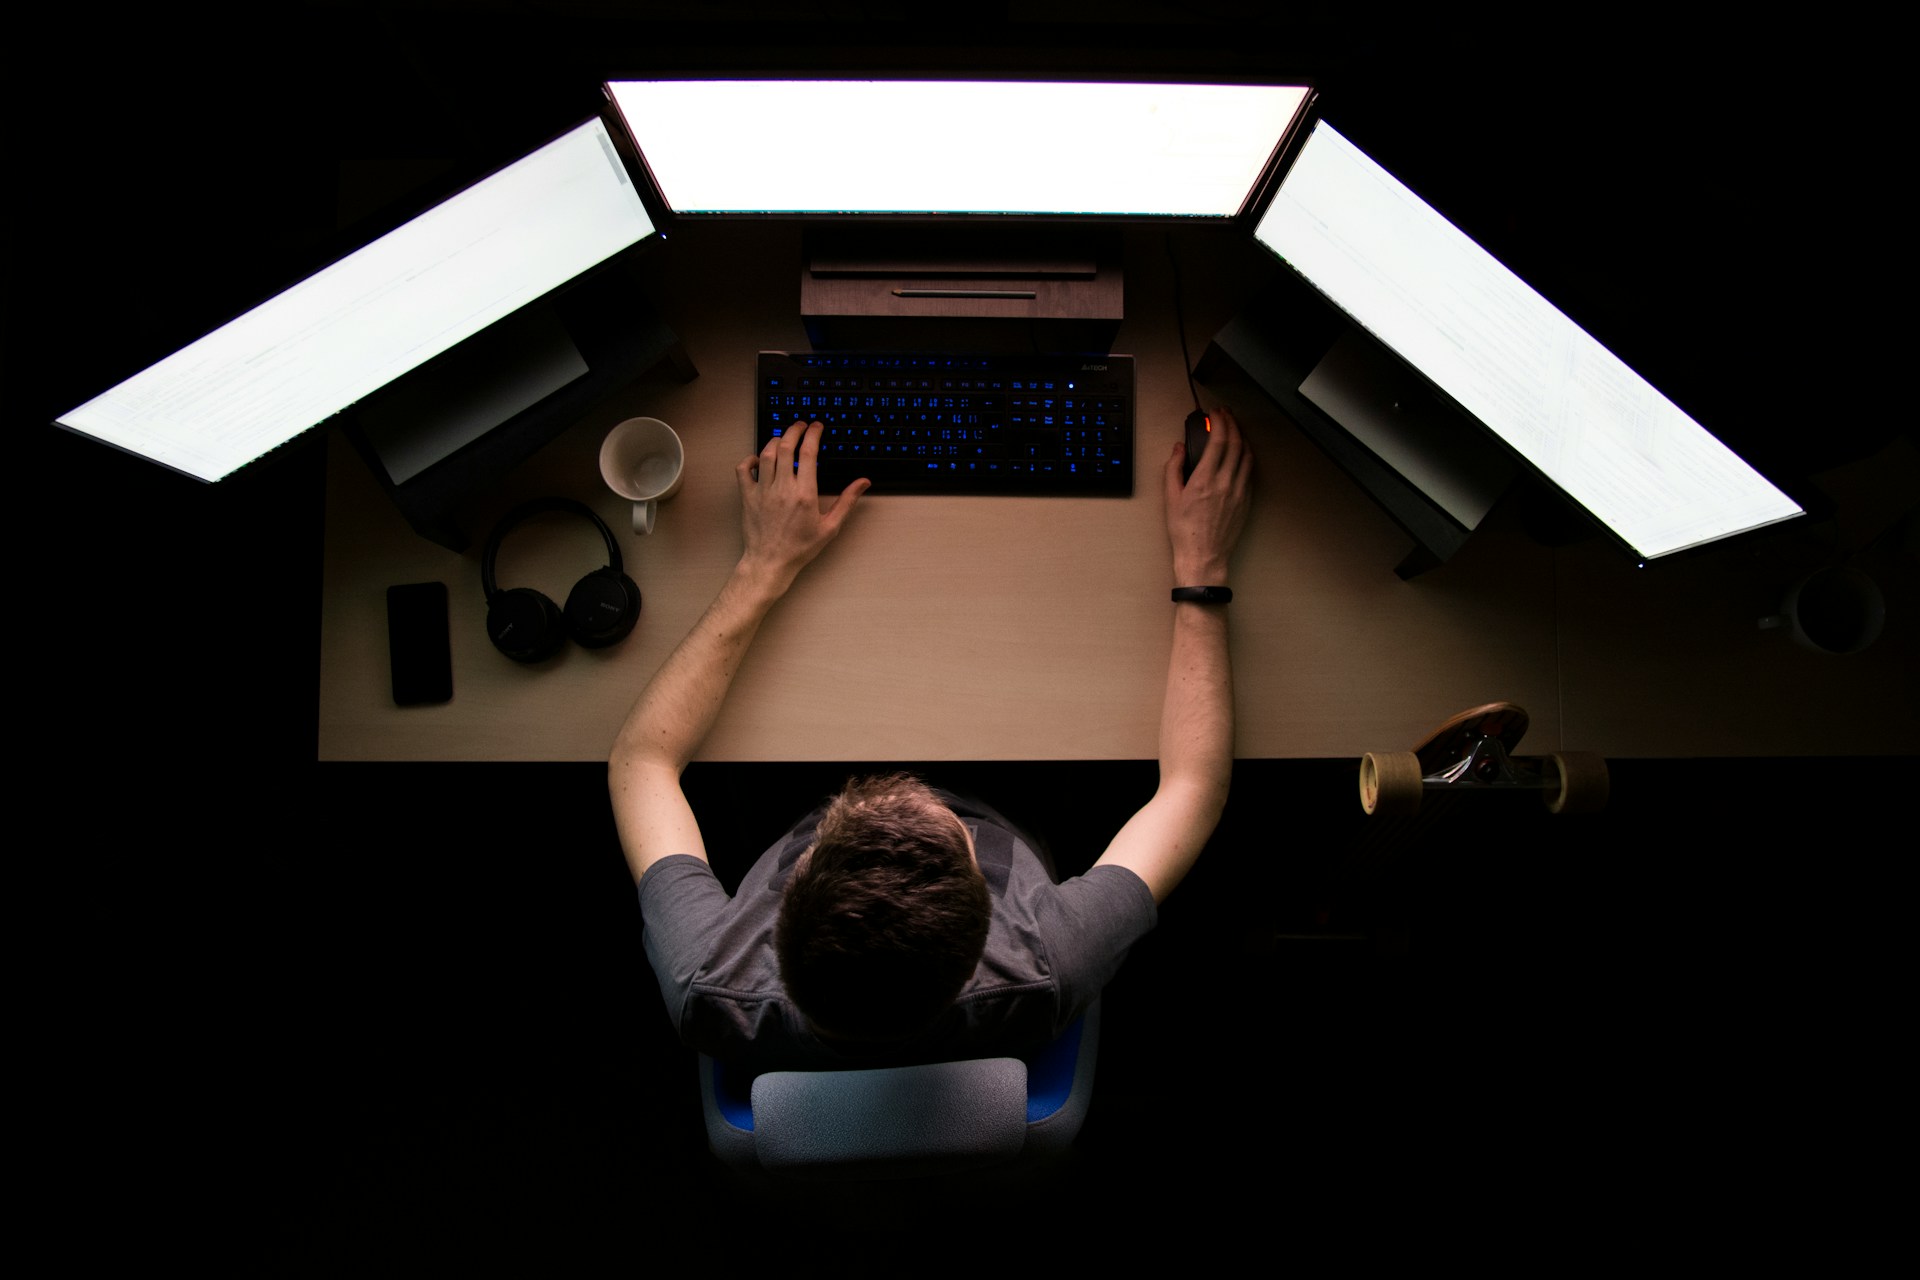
1265	182
343	243
1811	503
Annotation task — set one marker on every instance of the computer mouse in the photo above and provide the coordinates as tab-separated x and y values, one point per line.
1198	426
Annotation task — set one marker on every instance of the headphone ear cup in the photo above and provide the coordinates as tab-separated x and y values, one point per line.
525	625
602	608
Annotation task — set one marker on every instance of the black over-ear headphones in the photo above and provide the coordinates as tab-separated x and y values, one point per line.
525	625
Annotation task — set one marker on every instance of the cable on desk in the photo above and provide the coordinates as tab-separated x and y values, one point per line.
1180	320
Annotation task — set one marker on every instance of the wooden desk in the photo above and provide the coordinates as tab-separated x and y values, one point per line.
1038	629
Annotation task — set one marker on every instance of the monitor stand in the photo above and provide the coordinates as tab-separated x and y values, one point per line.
1431	468
447	433
962	288
497	375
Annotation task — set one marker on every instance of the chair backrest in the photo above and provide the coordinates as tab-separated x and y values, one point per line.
902	1122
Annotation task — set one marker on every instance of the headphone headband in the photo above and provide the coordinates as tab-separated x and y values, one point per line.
526	511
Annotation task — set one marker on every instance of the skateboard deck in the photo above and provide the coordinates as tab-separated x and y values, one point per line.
1504	722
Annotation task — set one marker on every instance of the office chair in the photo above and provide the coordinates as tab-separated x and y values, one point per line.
880	1126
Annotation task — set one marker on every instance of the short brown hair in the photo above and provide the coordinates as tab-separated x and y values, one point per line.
886	919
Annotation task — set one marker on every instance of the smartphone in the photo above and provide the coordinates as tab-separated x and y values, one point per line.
418	644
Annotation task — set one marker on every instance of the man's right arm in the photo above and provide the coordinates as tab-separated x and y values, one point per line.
1205	515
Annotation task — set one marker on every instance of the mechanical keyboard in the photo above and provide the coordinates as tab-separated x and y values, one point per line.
962	424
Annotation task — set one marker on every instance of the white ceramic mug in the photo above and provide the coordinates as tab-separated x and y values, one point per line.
642	460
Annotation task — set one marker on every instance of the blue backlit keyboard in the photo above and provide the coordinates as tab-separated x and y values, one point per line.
946	423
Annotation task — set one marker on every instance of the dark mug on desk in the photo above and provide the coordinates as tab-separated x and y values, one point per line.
1833	610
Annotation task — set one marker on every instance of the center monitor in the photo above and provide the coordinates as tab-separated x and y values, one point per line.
985	148
960	214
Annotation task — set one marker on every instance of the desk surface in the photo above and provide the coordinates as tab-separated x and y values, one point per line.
1029	629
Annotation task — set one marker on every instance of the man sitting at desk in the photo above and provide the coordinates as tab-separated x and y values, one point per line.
900	924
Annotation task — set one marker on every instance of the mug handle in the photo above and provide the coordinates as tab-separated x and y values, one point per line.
643	516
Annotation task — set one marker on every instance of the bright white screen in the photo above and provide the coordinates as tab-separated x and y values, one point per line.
1509	357
915	146
345	332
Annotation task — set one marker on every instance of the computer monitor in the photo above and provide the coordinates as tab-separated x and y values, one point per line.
1561	403
479	258
956	214
978	148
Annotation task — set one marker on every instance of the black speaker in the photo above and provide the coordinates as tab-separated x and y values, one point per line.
526	626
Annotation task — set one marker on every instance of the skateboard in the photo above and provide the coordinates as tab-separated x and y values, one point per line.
1474	751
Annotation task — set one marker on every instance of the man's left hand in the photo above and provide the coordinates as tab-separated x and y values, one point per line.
780	506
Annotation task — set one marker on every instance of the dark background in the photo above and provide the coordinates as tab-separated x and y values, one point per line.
319	1016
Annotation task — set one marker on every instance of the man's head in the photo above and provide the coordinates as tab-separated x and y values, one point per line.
885	918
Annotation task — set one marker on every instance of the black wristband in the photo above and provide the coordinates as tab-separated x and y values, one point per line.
1203	595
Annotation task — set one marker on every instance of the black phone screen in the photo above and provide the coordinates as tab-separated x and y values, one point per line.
418	643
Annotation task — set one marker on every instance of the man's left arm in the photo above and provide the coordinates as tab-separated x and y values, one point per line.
785	529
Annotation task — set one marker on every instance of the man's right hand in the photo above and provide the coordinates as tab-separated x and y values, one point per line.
780	515
1206	513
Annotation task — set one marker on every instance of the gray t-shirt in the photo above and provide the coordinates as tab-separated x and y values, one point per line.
1050	949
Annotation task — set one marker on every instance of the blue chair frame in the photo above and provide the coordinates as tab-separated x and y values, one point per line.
903	1122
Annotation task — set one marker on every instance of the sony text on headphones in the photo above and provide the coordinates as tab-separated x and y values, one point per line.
524	624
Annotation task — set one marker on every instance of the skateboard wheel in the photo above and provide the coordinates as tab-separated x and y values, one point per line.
1583	783
1390	783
